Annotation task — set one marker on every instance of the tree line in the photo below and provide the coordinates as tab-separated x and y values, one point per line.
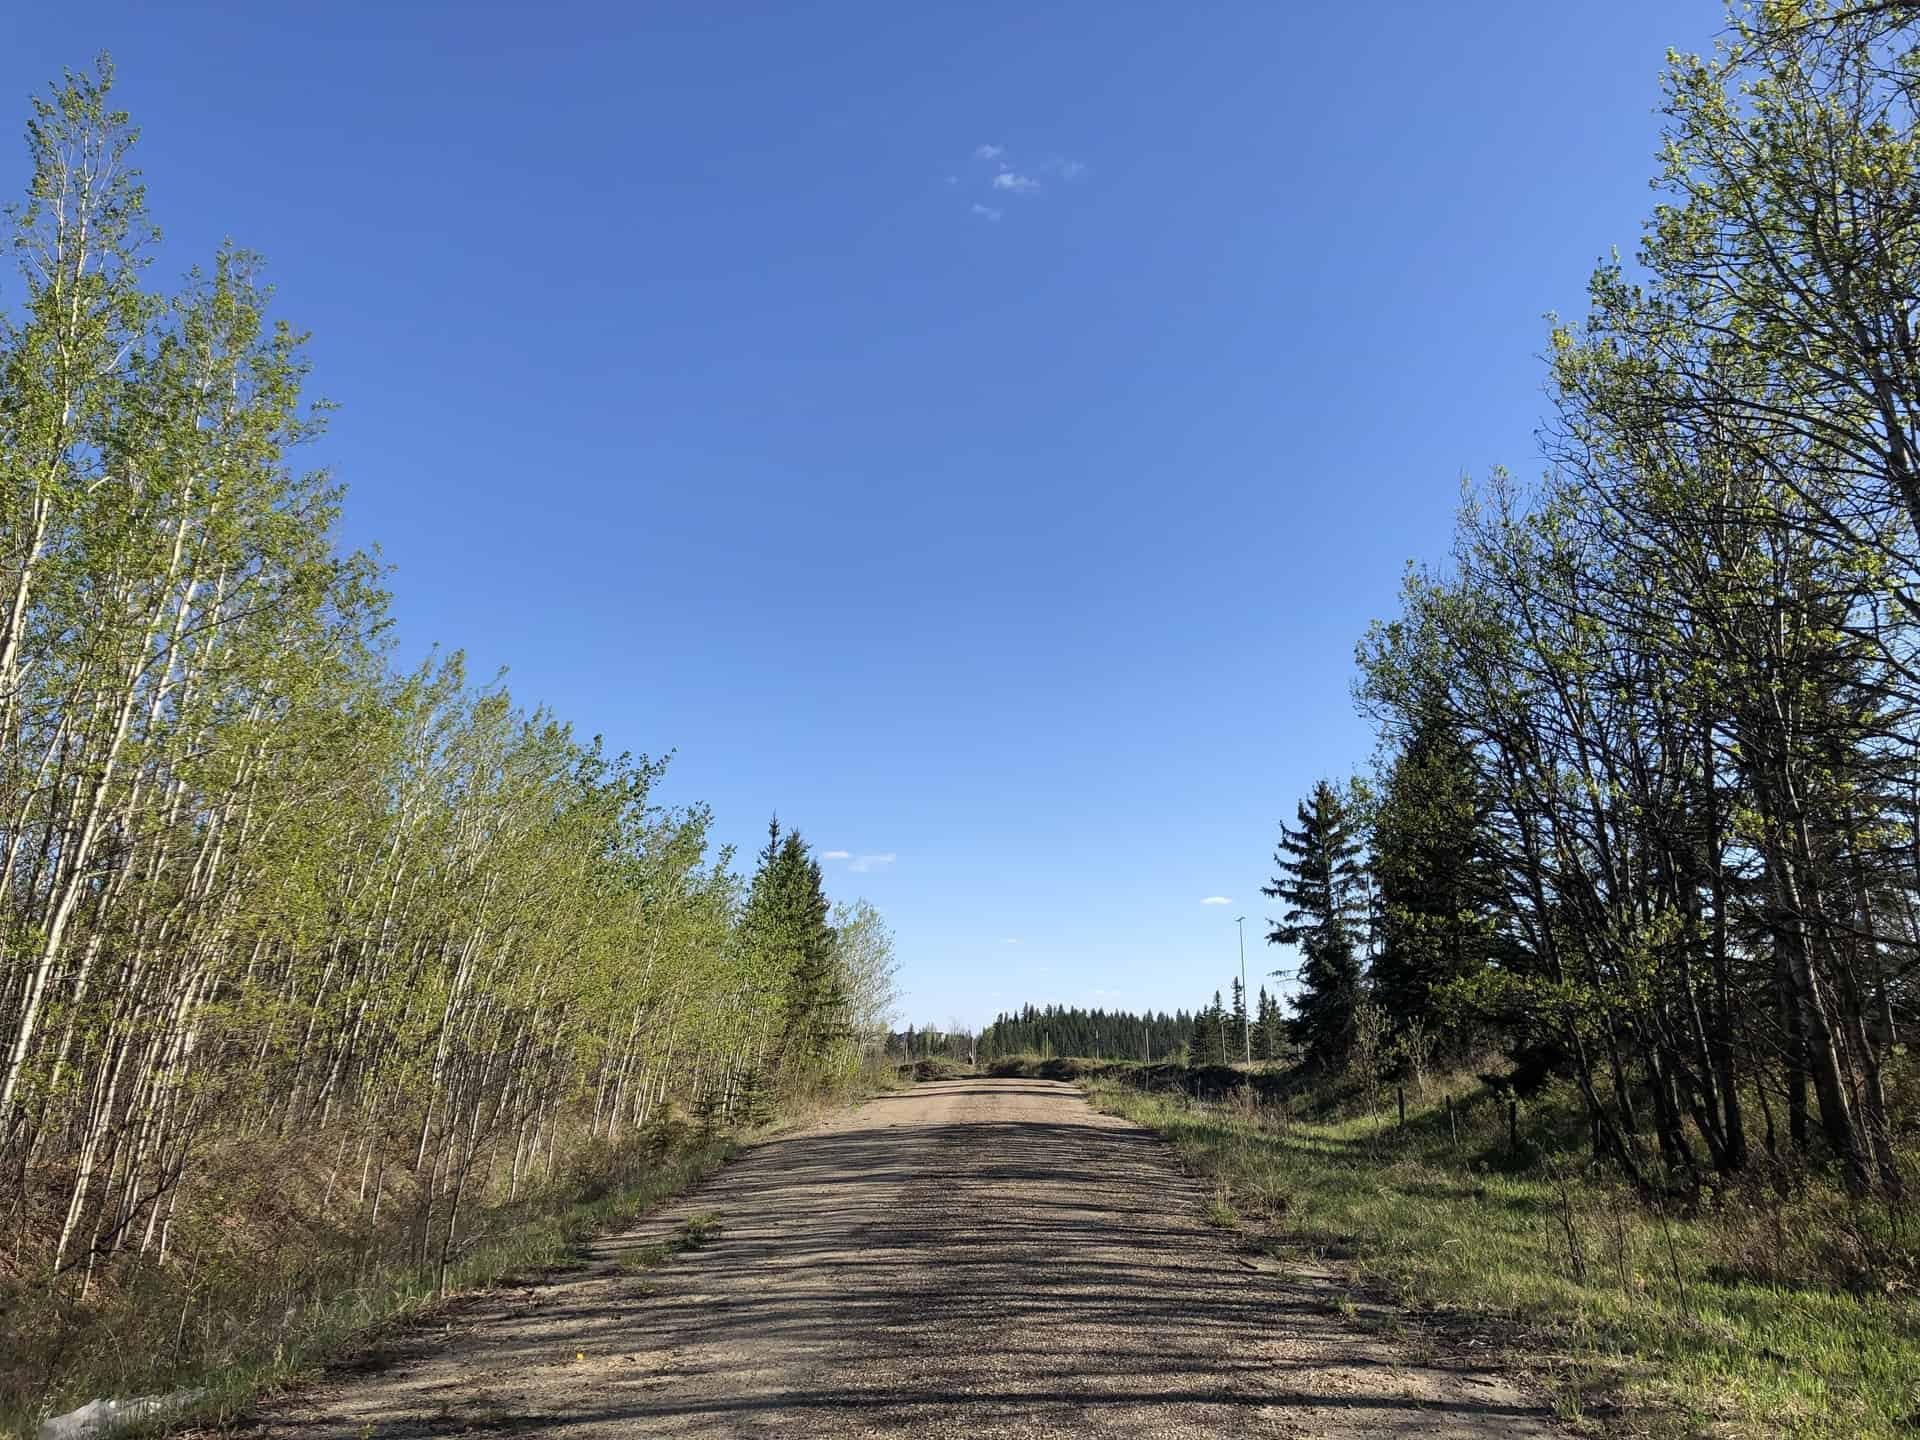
1217	1033
1097	1034
1648	804
256	882
1224	1032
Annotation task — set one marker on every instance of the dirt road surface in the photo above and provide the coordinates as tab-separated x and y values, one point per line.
969	1258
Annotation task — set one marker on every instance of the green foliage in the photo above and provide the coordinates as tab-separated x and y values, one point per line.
1102	1034
1762	1317
1239	1026
795	953
1208	1043
1269	1029
1322	883
1653	759
1430	858
261	891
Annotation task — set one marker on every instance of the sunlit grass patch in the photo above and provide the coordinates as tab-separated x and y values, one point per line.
1672	1321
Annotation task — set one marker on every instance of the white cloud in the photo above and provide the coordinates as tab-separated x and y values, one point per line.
988	152
836	854
863	863
1073	170
1017	183
1010	940
986	212
1218	900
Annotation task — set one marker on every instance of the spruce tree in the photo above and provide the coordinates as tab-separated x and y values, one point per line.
1217	1032
1266	1027
786	926
1430	859
1320	880
1239	1031
1197	1038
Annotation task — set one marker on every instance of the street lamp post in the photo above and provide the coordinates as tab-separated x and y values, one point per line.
1246	1000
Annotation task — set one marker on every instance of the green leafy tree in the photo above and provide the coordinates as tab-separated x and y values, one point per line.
262	897
866	965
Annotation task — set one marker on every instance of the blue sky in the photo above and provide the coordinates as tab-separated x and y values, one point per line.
980	432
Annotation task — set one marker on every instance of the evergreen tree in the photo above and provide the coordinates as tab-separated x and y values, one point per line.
1429	856
1098	1034
1216	1033
786	927
1266	1027
1320	880
1199	1041
1239	1032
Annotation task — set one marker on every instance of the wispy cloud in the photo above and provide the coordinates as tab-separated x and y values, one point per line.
836	854
1011	940
863	863
1218	900
1029	176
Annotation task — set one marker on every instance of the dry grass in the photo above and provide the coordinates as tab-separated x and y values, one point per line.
277	1261
274	1270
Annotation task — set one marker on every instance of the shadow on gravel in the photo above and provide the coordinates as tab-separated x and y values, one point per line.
992	1277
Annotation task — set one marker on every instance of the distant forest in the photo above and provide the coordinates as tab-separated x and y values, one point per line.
1100	1034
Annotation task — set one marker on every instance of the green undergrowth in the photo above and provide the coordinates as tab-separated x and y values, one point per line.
1758	1316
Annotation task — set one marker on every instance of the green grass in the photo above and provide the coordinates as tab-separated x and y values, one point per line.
1765	1318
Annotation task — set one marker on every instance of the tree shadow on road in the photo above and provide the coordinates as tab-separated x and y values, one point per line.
980	1277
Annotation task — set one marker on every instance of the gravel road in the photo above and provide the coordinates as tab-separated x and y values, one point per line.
968	1258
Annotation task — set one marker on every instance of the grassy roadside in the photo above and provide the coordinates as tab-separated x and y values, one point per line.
386	1297
603	1190
1728	1325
